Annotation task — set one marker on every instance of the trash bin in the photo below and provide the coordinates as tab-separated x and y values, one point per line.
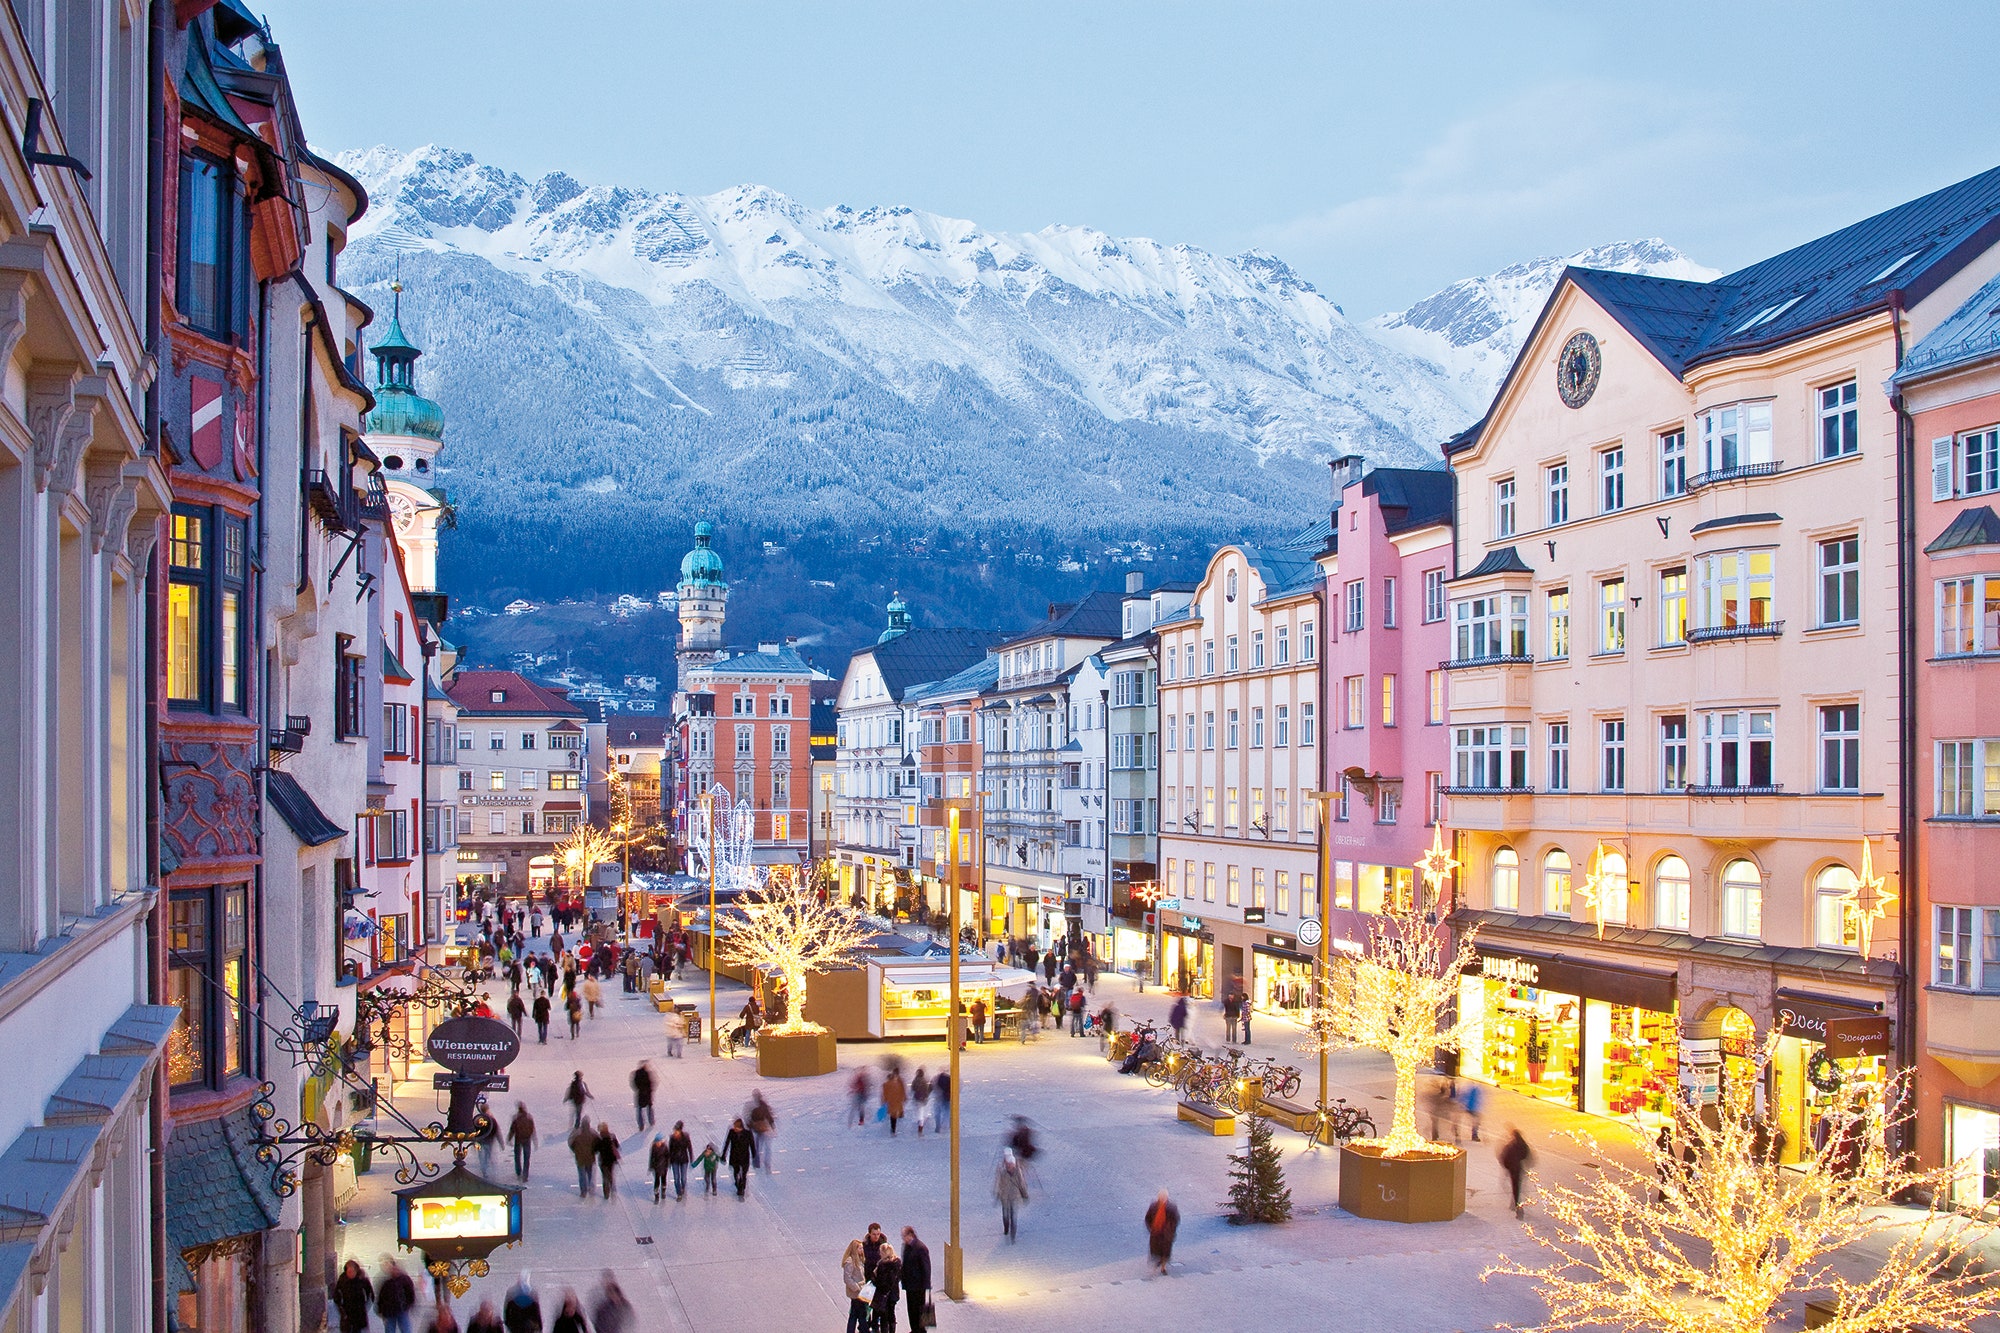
364	1147
693	1016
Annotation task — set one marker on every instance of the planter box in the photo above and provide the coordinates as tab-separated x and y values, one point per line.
1401	1189
796	1054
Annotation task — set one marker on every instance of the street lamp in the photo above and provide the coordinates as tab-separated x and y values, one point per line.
1321	929
715	1037
954	1255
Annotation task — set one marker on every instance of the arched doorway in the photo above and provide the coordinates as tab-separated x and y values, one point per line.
1719	1055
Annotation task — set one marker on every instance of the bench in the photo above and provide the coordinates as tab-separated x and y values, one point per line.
1212	1119
1287	1113
657	992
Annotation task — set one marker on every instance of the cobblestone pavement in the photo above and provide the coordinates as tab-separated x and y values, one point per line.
1109	1144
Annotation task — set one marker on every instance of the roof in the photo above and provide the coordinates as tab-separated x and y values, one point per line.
1101	615
783	661
1978	526
216	1188
392	666
1904	253
1506	560
1969	333
472	691
918	656
640	731
1411	497
1674	945
300	812
1734	521
979	676
1286	571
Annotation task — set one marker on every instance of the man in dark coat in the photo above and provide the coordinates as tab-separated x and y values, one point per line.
1163	1220
394	1300
522	1312
353	1296
607	1157
916	1277
739	1150
521	1133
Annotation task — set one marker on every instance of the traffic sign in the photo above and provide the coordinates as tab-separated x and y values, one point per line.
1308	932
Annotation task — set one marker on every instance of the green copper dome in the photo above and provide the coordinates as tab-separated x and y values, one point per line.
399	408
702	566
899	618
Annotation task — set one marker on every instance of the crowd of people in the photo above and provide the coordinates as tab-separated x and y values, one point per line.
394	1301
878	1277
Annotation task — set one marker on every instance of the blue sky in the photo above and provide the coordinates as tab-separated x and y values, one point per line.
1382	150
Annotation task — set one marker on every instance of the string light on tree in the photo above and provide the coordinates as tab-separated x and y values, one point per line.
786	929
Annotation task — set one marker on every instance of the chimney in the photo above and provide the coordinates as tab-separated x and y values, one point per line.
1348	469
791	640
1135	583
767	647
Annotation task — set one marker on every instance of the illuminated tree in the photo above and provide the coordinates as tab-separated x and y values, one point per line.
789	931
1710	1235
585	848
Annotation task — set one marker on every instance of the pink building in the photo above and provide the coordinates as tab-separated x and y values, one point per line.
1387	638
1950	386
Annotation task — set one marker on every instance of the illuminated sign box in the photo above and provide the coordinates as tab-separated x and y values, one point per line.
458	1216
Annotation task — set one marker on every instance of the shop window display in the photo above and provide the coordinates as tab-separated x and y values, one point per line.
1280	984
1972	1146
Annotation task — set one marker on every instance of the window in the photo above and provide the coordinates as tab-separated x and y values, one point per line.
1208	730
395	730
1281	805
1306	724
745	740
1611	732
1506	880
1208	806
1308	642
1190	732
1673	606
1968	783
1388	701
1281	725
1836	918
1558	646
1674	752
1558	770
1284	644
1235	888
1490	758
1208	657
1503	508
1389	803
1840	581
1840	747
1611	616
188	560
1556	485
1256	728
496	780
1356	603
565	779
1257	648
527	740
207	932
1435	682
1957	965
1736	590
1388	603
1490	627
1979	464
1208	881
1968	616
1284	892
1433	596
465	779
1233	729
1673	464
1611	480
1189	673
1742	901
1257	887
781	740
1670	894
1230	646
1352	693
497	823
1308	894
1736	750
348	692
1839	420
1735	437
207	260
1556	883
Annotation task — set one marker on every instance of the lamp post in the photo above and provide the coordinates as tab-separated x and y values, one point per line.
1324	800
954	1255
715	1037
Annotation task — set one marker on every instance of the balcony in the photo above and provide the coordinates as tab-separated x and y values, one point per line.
1490	660
1741	472
1768	789
1770	629
324	496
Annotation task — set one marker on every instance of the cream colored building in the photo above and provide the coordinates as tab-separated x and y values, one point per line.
1674	671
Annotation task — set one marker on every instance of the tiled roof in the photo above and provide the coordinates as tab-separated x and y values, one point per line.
472	691
784	661
1411	497
300	812
392	666
640	731
1101	615
919	656
1506	560
216	1188
1978	526
1286	572
1969	333
979	676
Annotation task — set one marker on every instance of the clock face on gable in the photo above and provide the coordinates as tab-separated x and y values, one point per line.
1577	369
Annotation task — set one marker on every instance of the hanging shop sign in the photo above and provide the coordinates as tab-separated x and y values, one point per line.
1253	916
458	1216
473	1045
1847	1030
1619	985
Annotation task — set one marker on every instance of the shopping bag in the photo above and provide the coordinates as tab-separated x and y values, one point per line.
930	1313
881	1113
867	1293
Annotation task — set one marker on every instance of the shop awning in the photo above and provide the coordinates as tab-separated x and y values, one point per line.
562	806
300	812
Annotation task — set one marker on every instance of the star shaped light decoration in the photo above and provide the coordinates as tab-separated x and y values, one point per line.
1436	864
1147	891
1597	886
1871	898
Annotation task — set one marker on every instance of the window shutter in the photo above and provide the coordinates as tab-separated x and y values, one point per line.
1941	461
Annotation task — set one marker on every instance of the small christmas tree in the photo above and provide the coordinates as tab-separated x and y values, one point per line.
1257	1190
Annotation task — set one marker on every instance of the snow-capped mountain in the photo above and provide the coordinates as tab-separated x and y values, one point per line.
1472	329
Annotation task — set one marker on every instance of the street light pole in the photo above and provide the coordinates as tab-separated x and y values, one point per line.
1324	800
714	1036
954	1255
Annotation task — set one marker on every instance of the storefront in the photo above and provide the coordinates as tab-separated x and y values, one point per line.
1281	978
1132	950
1187	957
1828	1049
1972	1149
1591	1036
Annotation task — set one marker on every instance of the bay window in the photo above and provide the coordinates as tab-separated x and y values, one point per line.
1736	592
207	978
1737	749
1735	438
1968	615
1491	627
1966	952
1493	758
1968	779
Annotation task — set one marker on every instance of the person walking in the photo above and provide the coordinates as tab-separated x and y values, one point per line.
894	1098
579	1093
916	1279
1011	1190
888	1287
657	1164
575	1008
857	1095
941	1100
738	1149
535	923
612	1313
642	1095
570	1318
541	1013
763	1122
710	1159
680	1155
1076	1011
583	1147
1163	1222
395	1299
485	1319
593	994
920	1095
353	1297
443	1320
1243	1017
607	1157
1232	1005
1473	1096
853	1277
1049	967
521	1133
517	1009
677	1031
1514	1158
1177	1017
979	1019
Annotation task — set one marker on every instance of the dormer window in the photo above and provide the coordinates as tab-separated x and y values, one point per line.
498	696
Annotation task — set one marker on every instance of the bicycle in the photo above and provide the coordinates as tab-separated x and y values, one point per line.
1341	1122
737	1038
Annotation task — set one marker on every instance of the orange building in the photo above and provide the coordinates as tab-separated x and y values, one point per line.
748	725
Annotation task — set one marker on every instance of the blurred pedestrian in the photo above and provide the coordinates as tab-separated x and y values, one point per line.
353	1297
738	1149
1470	1101
642	1095
1011	1190
1232	1006
612	1313
444	1321
1163	1222
517	1010
680	1156
941	1100
485	1319
763	1122
657	1164
1107	1023
1514	1158
395	1299
677	1031
1177	1017
607	1157
578	1093
574	1006
593	994
570	1318
979	1019
920	1093
541	1013
916	1279
583	1147
521	1133
894	1098
857	1095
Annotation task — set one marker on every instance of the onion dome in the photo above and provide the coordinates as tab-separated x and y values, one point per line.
399	408
702	566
